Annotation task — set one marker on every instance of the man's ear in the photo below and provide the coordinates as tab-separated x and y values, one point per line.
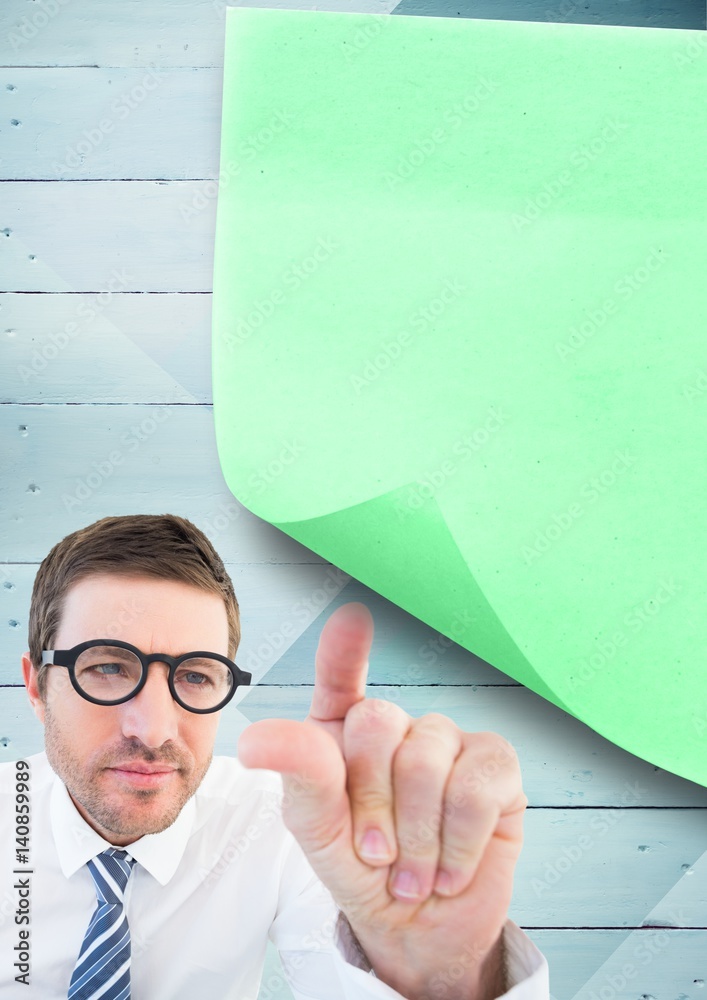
29	675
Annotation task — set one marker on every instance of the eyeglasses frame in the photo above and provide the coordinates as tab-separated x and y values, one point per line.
67	658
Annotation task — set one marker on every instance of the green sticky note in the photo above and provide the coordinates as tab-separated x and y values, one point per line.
459	338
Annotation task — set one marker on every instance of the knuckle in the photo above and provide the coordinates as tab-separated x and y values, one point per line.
369	799
437	728
488	776
461	803
480	789
458	854
436	719
505	751
412	763
499	748
420	837
420	844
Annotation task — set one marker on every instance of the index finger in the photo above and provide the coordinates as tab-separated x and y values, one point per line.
341	662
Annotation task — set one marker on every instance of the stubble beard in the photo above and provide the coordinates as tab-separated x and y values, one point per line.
83	782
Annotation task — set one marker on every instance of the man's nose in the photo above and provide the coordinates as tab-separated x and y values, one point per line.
152	716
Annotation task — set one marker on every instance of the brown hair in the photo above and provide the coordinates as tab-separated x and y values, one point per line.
158	545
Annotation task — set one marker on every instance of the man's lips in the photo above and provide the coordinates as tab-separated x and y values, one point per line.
139	774
141	767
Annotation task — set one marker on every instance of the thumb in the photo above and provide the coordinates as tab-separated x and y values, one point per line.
316	806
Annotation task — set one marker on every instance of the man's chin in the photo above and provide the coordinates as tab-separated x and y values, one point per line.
122	808
141	816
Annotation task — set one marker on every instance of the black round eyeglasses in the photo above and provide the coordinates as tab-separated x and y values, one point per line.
110	672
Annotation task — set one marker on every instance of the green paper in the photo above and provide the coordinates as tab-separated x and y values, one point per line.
459	338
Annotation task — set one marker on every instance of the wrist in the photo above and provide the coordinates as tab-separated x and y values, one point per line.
466	973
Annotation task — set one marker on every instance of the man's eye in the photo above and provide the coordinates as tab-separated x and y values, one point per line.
193	677
107	669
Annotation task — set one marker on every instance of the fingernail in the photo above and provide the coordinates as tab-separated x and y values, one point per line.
374	845
406	885
443	883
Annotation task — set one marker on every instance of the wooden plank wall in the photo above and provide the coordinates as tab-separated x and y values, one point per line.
110	138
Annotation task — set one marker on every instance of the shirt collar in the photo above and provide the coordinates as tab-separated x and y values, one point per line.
77	842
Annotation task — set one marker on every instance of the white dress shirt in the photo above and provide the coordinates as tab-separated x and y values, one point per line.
201	902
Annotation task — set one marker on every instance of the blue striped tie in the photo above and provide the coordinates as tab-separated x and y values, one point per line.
103	966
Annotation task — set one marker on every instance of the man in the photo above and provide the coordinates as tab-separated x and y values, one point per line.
136	864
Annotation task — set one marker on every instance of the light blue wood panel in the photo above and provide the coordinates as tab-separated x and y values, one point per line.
93	122
100	236
119	348
125	33
553	749
283	607
636	965
67	466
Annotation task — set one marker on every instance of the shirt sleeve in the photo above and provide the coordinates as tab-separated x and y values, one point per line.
322	960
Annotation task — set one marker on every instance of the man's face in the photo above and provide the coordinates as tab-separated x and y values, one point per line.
130	768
